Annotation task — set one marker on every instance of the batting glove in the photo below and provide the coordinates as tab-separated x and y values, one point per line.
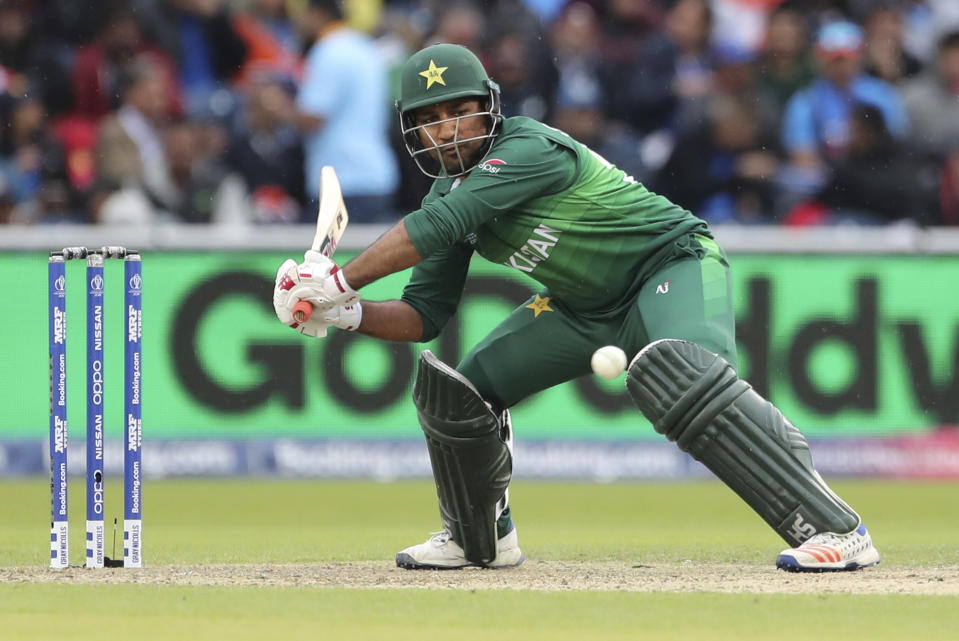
344	316
321	284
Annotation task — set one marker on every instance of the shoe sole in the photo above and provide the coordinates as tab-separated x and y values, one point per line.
791	564
407	562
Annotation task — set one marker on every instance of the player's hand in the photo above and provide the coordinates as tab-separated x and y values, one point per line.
344	316
321	284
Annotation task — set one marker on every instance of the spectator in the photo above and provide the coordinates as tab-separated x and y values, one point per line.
575	41
30	61
460	23
527	85
266	152
343	110
130	141
885	56
925	22
933	104
932	101
689	25
661	86
785	64
273	45
742	23
33	164
100	64
8	202
578	112
817	120
722	172
209	52
875	183
198	189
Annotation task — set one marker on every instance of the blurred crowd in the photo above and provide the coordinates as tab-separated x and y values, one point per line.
223	111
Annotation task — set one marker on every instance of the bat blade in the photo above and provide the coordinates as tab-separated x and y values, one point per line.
331	221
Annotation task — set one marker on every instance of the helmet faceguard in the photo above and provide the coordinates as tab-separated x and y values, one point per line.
437	74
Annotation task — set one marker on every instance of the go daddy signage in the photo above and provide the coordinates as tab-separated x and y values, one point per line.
844	346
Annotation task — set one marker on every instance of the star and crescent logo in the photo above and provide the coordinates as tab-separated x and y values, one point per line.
539	305
434	74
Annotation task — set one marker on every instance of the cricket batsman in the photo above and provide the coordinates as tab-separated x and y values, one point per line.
618	265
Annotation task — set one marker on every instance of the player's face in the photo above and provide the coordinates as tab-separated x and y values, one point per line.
454	131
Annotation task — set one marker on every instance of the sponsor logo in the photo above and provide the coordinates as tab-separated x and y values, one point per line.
663	288
134	390
133	433
491	165
61	502
59	435
98	328
134	319
135	492
133	538
98	493
59	325
535	250
801	530
96	383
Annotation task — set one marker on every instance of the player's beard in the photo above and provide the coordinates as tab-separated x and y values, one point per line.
469	154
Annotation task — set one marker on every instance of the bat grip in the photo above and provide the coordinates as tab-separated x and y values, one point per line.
302	311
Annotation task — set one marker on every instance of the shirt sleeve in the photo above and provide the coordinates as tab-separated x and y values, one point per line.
436	286
518	170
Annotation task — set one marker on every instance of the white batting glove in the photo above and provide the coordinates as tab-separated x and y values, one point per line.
321	284
316	257
346	317
315	326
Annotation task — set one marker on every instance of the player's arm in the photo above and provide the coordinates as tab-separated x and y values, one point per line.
392	252
391	320
429	300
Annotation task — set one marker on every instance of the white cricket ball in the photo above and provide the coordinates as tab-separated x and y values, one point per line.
608	362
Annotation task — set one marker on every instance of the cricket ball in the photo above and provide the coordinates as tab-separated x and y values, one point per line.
608	361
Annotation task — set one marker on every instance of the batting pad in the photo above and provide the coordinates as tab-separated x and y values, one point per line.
695	398
469	452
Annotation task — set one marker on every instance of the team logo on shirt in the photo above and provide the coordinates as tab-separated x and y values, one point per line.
539	305
433	75
491	165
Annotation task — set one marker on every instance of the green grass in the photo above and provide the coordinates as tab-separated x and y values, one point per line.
192	522
145	613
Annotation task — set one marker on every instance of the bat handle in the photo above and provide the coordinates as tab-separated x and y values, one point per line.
302	311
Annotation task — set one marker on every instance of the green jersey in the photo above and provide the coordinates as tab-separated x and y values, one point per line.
546	205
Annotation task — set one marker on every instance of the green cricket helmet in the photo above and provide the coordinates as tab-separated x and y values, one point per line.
436	74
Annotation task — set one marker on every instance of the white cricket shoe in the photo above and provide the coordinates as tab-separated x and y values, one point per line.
829	552
441	552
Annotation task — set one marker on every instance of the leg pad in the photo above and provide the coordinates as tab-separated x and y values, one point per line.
469	451
695	398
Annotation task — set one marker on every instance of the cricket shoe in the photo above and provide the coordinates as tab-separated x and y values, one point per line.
441	552
829	552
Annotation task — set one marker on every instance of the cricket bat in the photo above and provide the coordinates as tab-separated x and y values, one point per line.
331	222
